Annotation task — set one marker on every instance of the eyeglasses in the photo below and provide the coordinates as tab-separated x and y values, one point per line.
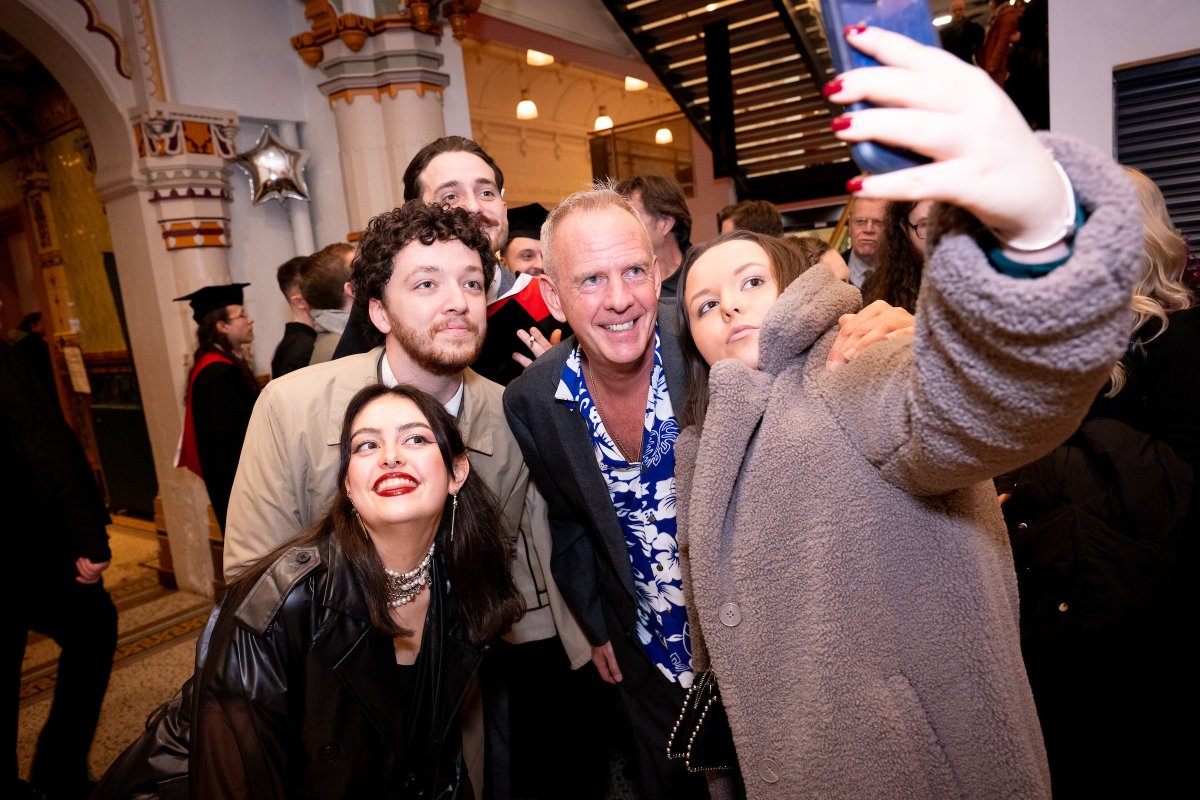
919	229
862	222
243	314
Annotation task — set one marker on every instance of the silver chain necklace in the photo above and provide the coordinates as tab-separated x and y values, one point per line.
599	410
403	587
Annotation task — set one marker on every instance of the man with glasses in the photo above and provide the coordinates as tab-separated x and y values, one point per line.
866	226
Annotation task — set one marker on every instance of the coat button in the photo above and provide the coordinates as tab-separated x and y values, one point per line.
1021	526
1062	606
303	556
768	770
730	615
330	753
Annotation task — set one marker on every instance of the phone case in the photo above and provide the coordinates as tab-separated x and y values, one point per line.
909	17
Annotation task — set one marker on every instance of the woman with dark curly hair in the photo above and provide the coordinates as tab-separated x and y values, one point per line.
341	664
900	261
220	393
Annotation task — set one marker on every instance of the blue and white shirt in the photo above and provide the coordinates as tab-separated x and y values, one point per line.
643	495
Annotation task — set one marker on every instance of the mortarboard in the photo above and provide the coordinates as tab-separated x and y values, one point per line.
210	298
526	221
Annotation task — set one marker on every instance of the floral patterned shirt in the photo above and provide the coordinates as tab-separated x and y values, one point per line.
643	495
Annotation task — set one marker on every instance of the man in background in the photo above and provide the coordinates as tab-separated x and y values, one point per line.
960	35
522	251
299	334
866	227
58	544
325	287
663	210
759	216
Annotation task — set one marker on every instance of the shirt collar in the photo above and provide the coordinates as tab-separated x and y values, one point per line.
570	383
388	378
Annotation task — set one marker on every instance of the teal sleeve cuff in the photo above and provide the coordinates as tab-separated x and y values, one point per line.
1006	266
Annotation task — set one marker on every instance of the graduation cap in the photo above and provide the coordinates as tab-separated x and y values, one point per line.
526	221
210	298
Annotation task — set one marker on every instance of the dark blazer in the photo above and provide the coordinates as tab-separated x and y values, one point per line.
590	563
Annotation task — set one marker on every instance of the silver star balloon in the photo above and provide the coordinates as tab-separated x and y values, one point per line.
276	171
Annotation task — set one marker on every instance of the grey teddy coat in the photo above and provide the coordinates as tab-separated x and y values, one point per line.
850	574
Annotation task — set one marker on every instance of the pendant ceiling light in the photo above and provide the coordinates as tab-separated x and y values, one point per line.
526	109
663	136
603	122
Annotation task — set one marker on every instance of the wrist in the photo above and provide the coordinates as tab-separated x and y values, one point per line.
1040	246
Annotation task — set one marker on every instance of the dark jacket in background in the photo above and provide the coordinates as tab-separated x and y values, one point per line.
294	350
1104	533
222	401
53	515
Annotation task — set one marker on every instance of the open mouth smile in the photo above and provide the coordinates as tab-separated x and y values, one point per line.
394	484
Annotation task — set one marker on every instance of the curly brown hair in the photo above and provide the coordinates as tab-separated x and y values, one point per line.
391	231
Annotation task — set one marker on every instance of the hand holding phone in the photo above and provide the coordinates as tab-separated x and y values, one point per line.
982	155
911	18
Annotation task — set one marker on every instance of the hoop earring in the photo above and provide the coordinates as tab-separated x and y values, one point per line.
453	512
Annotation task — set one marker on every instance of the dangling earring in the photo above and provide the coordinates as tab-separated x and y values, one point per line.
453	511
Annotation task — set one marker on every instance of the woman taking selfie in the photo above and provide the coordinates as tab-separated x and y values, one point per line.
852	587
338	665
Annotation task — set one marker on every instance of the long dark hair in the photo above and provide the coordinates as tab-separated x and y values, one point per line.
210	339
896	278
477	559
786	263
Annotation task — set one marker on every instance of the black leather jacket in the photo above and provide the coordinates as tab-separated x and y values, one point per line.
295	695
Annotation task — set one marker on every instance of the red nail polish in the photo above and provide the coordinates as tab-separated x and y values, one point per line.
857	28
840	123
853	185
832	88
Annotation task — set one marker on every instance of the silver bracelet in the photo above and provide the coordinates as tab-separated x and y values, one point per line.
1065	232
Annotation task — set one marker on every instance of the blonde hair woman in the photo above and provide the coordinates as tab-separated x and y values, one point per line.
1103	533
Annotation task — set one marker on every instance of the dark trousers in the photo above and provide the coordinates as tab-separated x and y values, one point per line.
82	620
651	705
559	724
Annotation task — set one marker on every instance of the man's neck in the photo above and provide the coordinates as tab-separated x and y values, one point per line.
441	387
622	379
669	258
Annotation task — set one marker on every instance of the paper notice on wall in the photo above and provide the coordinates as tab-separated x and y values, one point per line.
78	372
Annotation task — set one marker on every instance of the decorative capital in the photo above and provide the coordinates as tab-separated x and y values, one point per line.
163	131
325	24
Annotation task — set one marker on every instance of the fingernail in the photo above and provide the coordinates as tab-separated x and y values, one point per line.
832	88
833	366
840	123
854	185
855	29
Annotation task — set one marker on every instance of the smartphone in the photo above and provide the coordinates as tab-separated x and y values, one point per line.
909	17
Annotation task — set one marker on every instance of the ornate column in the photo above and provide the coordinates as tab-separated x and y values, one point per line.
384	84
179	206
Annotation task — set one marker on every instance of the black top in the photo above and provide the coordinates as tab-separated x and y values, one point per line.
294	350
47	488
221	401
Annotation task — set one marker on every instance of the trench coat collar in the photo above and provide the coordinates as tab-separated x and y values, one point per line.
473	422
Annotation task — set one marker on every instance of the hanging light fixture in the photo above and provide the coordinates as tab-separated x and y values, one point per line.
536	58
633	84
526	109
663	136
603	122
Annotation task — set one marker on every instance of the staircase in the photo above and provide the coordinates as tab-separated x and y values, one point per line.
748	75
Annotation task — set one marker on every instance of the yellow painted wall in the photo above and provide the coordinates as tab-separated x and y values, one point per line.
84	236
